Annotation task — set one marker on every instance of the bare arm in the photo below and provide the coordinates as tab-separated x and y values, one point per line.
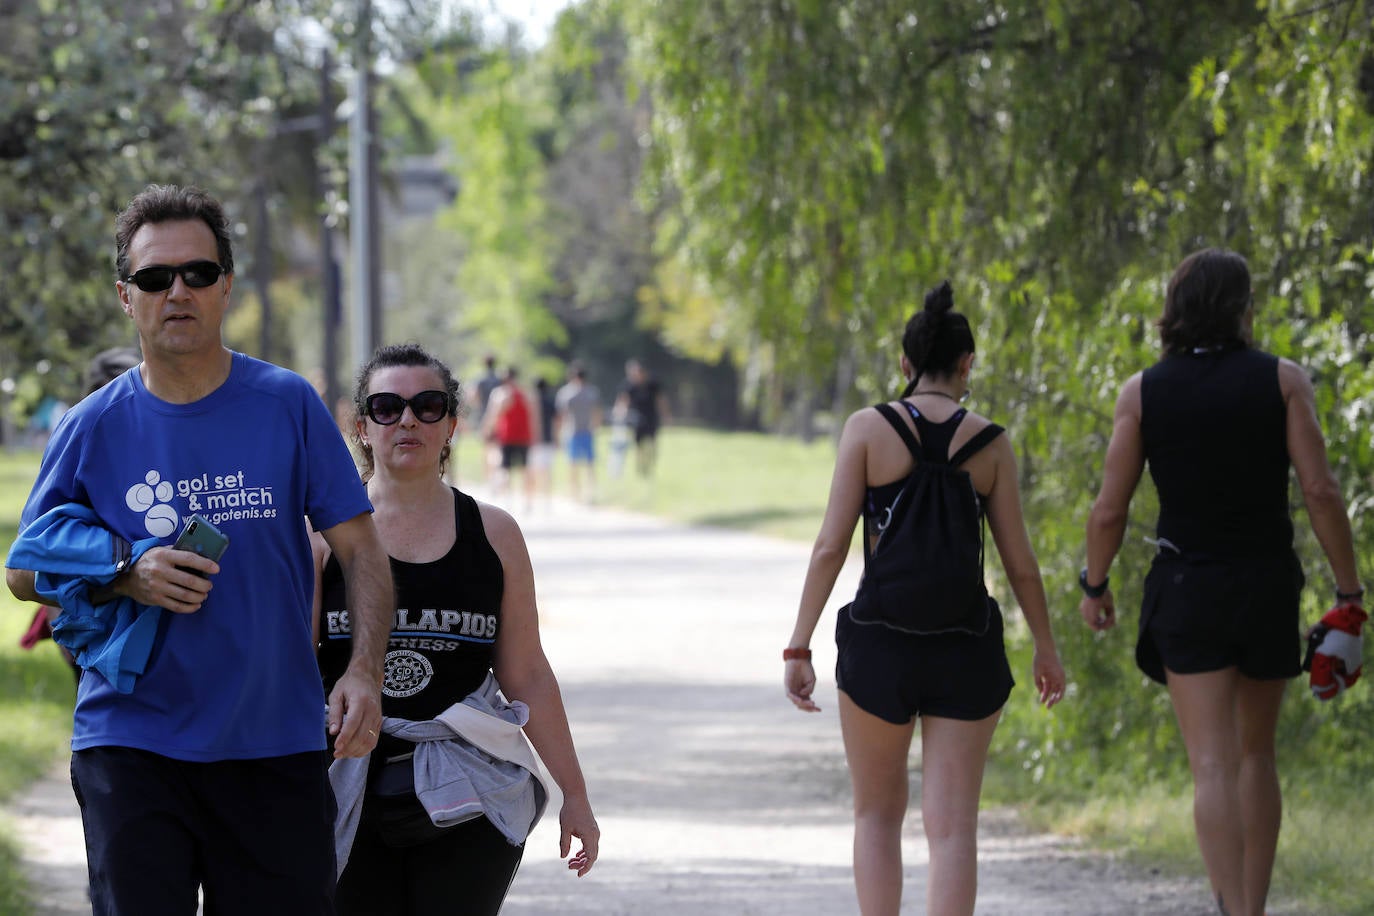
157	580
1321	492
355	704
1107	521
829	551
524	673
20	582
1008	525
319	550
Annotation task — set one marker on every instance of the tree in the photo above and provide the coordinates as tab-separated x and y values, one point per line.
822	164
100	98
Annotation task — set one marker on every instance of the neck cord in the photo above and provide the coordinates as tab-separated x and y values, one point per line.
940	394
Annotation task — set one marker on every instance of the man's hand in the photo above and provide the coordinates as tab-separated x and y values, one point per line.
355	714
1099	613
167	577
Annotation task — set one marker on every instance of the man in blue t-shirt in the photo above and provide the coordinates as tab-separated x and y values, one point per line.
208	773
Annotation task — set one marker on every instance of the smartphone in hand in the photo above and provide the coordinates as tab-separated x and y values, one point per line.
199	536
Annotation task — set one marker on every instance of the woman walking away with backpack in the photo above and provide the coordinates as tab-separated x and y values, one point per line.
1219	423
913	644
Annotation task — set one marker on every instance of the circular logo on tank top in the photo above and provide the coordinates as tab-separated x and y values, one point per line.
405	673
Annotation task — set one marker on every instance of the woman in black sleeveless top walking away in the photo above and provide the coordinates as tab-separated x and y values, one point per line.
956	682
438	817
1219	423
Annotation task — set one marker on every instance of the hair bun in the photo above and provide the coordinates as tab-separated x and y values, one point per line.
940	299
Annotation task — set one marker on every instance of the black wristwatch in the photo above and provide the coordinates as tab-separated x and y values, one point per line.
1356	595
1092	591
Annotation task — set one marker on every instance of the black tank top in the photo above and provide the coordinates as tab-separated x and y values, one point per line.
448	615
1214	427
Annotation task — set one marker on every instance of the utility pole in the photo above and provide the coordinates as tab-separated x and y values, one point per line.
362	200
262	266
329	267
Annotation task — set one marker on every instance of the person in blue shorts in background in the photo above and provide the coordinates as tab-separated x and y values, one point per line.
578	406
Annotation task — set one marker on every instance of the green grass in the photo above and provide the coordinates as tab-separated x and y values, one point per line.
36	689
743	481
746	481
1323	856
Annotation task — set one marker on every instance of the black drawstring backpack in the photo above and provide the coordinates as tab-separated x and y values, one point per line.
925	573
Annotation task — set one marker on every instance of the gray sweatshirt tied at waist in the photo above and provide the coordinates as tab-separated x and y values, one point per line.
470	760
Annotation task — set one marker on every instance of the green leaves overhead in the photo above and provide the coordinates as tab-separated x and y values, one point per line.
97	100
822	164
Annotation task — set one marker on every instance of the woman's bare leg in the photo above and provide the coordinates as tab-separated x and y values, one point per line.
877	753
953	755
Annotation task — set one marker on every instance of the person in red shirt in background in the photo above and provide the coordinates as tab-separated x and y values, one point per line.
511	417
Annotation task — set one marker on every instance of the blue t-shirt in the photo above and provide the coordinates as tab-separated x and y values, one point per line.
236	679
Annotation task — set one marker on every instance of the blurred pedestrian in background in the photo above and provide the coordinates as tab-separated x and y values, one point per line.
579	416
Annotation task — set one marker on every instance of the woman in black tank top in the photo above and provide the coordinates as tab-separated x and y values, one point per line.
1218	423
956	683
465	609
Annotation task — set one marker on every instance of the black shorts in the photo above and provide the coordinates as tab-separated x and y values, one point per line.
257	835
895	675
1206	614
514	456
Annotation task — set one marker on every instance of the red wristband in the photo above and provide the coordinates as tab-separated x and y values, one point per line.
802	654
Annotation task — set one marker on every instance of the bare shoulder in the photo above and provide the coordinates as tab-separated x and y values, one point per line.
1293	378
864	418
1129	401
1000	444
861	426
977	423
503	532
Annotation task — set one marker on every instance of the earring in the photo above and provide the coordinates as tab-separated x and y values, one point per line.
448	441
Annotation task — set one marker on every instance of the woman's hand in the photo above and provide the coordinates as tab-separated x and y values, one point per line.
1099	613
1048	674
576	820
799	679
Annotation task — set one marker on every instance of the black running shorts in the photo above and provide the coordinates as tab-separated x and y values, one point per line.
1207	614
895	675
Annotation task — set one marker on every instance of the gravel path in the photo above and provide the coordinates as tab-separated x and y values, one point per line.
713	794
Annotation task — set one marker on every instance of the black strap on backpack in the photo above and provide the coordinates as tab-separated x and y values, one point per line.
965	452
952	463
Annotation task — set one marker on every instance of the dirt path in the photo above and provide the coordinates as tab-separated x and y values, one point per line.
713	794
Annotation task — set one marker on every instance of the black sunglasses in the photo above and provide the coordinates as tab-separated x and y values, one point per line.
159	277
386	408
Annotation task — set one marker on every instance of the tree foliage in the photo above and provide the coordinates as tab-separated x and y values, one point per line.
100	98
95	104
822	164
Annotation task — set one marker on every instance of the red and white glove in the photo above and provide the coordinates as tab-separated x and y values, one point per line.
1333	650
